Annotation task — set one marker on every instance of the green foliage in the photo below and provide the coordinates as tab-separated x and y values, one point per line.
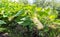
13	14
2	22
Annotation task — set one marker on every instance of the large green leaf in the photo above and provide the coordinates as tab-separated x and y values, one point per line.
19	13
2	22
